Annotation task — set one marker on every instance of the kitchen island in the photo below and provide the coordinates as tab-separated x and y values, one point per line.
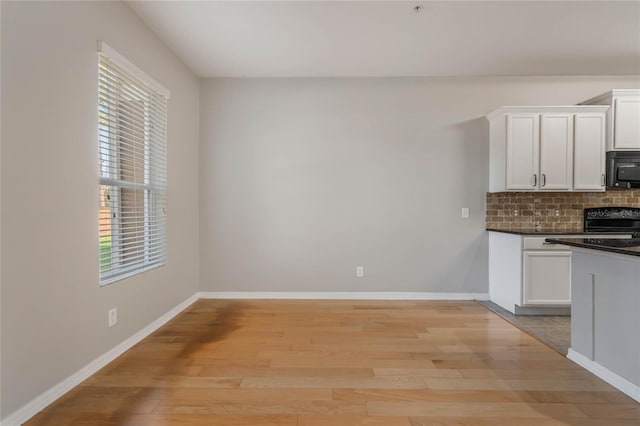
605	309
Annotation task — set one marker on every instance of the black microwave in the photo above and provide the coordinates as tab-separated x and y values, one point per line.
623	169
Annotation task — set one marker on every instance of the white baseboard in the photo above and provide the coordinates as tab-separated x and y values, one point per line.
339	295
43	400
605	374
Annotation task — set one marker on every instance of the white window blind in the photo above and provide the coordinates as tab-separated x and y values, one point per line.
132	133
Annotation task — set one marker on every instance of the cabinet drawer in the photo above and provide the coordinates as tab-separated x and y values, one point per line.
537	243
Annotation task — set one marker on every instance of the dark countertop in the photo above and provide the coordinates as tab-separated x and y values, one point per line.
532	231
602	244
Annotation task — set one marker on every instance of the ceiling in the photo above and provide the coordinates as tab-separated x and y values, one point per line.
388	38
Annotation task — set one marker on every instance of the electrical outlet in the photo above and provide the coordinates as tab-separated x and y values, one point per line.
113	316
465	212
359	271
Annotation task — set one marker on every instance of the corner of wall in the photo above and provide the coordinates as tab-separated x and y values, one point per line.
198	184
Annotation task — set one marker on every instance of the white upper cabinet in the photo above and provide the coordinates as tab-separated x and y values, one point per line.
522	151
547	148
626	129
589	156
556	152
623	118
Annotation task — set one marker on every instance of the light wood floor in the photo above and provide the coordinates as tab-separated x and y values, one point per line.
335	363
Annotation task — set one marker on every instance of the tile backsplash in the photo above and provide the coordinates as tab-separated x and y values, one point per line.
551	211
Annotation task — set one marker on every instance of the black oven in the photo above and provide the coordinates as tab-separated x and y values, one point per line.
623	169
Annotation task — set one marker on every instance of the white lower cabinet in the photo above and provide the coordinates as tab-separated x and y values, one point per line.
525	272
546	278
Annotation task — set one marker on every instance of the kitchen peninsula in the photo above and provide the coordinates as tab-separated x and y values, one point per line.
605	309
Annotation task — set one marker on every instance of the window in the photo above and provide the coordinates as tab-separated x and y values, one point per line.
132	133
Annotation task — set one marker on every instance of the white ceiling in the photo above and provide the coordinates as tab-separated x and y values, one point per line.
387	38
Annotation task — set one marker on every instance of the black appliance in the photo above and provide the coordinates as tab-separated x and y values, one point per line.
621	243
623	169
612	219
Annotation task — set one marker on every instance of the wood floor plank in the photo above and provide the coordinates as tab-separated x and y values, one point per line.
513	384
286	372
261	407
239	394
416	372
164	381
185	420
582	397
351	362
397	382
473	409
517	373
620	411
427	395
325	420
511	421
339	363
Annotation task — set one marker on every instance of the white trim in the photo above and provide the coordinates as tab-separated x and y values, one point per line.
123	62
569	109
606	97
605	374
338	295
43	400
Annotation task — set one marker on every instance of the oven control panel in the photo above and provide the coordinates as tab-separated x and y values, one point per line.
612	213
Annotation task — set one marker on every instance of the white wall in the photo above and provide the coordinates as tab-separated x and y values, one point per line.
54	314
303	179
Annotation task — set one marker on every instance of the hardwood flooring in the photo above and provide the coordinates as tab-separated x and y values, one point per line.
334	363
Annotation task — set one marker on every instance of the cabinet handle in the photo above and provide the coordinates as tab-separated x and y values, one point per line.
602	181
544	179
535	180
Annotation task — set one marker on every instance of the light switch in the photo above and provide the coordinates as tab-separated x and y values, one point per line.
465	212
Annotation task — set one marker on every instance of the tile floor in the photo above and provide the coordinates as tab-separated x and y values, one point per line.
552	330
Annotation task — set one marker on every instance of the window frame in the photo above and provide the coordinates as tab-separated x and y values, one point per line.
153	186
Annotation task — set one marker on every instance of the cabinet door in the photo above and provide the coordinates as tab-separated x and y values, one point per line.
589	152
556	152
546	278
626	131
523	146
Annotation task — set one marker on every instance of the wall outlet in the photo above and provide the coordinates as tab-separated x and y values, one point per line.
359	271
113	316
465	212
